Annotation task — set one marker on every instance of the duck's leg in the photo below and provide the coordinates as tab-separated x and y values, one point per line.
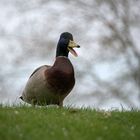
33	102
60	104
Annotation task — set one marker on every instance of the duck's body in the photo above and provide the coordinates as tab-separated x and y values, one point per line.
50	84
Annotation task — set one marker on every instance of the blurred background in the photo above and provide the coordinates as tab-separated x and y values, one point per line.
108	67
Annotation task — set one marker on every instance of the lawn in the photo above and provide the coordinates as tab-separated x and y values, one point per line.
53	123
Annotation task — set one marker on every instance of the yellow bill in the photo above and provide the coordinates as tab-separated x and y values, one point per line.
72	45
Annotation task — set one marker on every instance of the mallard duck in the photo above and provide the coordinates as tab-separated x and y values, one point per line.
51	84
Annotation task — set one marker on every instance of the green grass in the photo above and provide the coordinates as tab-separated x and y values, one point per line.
52	123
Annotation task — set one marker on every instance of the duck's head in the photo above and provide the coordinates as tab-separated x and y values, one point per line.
66	45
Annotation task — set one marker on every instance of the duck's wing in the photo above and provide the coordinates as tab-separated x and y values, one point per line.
36	71
47	66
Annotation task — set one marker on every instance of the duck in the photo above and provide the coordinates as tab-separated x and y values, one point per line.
49	85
